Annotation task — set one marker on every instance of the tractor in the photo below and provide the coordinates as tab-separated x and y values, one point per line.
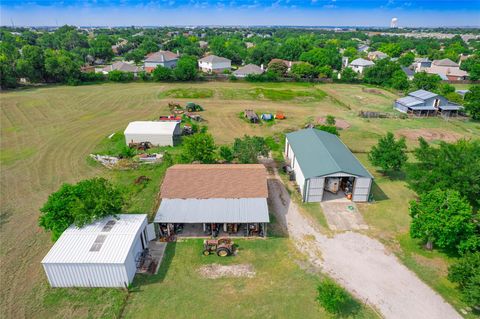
223	247
193	107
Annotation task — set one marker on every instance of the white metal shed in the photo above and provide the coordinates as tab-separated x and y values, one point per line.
159	133
101	254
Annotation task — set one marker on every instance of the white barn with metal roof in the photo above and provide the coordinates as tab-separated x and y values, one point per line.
102	254
159	133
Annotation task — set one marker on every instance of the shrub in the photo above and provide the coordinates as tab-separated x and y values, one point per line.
332	297
466	273
119	76
226	153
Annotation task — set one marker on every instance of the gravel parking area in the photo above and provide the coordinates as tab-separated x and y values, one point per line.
361	264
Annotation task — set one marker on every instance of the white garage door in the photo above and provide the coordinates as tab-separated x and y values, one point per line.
315	189
361	189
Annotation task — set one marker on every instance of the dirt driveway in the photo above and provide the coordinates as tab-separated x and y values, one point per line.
361	264
342	214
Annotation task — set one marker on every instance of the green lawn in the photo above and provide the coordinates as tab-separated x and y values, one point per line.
280	289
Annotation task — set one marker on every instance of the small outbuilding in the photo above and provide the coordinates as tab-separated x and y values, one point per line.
213	200
322	163
102	254
159	133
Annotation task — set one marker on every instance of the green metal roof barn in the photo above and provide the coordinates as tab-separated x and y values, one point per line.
316	155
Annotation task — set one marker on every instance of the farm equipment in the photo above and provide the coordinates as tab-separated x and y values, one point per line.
280	116
142	146
223	247
267	117
170	118
194	117
251	116
193	107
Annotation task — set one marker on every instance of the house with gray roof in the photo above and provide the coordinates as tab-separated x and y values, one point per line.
359	65
426	103
214	64
421	64
247	70
121	66
447	68
166	59
324	167
408	72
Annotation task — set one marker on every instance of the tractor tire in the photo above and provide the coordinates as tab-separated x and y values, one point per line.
206	252
223	252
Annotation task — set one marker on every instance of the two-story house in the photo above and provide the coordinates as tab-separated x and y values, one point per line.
166	59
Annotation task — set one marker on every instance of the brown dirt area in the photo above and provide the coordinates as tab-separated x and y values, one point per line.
339	123
430	134
215	271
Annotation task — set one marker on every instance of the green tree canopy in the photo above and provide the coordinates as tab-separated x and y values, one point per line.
80	204
303	70
466	273
162	74
425	81
389	154
472	102
248	148
199	148
444	219
186	69
449	166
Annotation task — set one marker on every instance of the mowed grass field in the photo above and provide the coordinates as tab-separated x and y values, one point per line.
47	134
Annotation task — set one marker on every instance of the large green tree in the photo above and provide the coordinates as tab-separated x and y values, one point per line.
31	64
447	166
199	148
472	102
425	81
444	219
80	204
186	69
248	148
389	154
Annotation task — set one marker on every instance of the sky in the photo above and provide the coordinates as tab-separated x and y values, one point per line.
410	13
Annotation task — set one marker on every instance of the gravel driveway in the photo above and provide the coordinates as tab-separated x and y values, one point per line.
361	264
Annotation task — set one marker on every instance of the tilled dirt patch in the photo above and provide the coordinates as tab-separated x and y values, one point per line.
215	271
339	123
429	134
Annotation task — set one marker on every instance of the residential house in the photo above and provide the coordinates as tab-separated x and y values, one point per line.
203	44
287	63
121	66
421	64
213	199
324	168
363	48
408	72
425	103
214	64
119	45
376	55
247	70
448	68
166	59
359	65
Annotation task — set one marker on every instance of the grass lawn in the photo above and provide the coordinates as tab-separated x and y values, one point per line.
280	288
47	133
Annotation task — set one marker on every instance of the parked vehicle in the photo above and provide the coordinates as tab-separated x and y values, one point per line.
223	247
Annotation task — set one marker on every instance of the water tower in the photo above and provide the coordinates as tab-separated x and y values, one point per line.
394	23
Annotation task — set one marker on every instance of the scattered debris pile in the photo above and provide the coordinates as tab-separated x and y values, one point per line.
105	160
215	271
150	158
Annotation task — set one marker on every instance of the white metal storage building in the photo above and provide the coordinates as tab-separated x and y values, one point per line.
316	156
159	133
101	254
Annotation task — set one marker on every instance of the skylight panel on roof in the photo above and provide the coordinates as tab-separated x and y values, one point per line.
97	244
108	226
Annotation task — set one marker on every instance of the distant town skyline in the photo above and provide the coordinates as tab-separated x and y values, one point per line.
424	13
